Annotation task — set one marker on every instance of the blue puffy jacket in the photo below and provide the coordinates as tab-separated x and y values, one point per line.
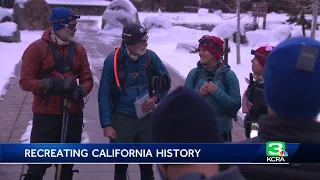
226	101
137	85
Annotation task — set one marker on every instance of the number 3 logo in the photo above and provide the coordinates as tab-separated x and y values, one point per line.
274	148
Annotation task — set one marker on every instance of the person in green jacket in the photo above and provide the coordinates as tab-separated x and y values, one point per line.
215	81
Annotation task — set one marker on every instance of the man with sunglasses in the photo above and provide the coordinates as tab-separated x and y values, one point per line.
253	103
51	69
129	73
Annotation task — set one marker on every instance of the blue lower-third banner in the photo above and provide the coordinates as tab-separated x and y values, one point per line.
270	152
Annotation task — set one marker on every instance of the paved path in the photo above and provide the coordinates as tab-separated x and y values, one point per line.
15	111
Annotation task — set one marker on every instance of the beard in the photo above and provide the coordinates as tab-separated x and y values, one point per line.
141	52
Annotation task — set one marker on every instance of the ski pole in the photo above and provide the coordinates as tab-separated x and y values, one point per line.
64	130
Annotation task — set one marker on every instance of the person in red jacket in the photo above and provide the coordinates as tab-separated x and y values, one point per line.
55	68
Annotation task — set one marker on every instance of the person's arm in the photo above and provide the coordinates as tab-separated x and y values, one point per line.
232	99
85	78
104	94
30	69
160	67
245	105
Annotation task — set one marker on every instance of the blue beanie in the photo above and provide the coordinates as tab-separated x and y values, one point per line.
292	79
184	117
61	16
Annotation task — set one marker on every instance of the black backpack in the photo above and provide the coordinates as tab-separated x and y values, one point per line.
60	64
121	73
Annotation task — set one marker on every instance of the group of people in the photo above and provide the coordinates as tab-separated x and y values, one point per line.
135	107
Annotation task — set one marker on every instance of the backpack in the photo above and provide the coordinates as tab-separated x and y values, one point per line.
60	65
121	74
225	84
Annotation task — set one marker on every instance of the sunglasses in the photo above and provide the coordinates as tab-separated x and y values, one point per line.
72	17
206	40
70	26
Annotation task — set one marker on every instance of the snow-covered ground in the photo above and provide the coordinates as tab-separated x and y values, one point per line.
11	54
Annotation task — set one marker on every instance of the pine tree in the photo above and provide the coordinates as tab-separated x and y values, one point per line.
299	18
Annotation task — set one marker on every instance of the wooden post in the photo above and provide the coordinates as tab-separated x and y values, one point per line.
264	22
315	12
226	50
238	32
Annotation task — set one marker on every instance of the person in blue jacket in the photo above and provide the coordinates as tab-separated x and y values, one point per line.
130	72
215	81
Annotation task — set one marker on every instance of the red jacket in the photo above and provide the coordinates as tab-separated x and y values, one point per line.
38	58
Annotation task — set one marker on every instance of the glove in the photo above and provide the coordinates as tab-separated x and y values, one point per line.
59	86
77	94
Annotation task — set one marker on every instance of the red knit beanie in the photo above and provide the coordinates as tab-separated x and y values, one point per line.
261	54
212	44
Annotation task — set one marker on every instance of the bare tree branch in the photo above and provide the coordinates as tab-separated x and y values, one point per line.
227	6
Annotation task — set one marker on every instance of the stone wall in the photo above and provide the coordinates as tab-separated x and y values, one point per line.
85	10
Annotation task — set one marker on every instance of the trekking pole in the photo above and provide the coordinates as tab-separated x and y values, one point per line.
65	122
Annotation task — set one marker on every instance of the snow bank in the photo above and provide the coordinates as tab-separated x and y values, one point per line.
203	12
8	28
226	30
21	2
4	13
178	33
118	13
156	22
187	47
261	37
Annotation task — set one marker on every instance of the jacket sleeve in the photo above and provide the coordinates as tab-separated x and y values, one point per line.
30	69
104	94
160	67
85	79
232	99
245	105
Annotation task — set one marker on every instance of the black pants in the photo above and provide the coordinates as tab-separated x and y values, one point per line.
47	129
247	128
132	130
226	137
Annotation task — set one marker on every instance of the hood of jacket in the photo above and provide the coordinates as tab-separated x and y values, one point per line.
289	130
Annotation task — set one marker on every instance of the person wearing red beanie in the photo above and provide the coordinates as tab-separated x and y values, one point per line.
253	103
217	83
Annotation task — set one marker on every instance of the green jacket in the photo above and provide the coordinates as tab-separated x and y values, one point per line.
226	101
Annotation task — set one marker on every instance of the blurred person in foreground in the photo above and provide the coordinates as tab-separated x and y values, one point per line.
215	81
51	69
292	93
137	68
253	103
185	117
